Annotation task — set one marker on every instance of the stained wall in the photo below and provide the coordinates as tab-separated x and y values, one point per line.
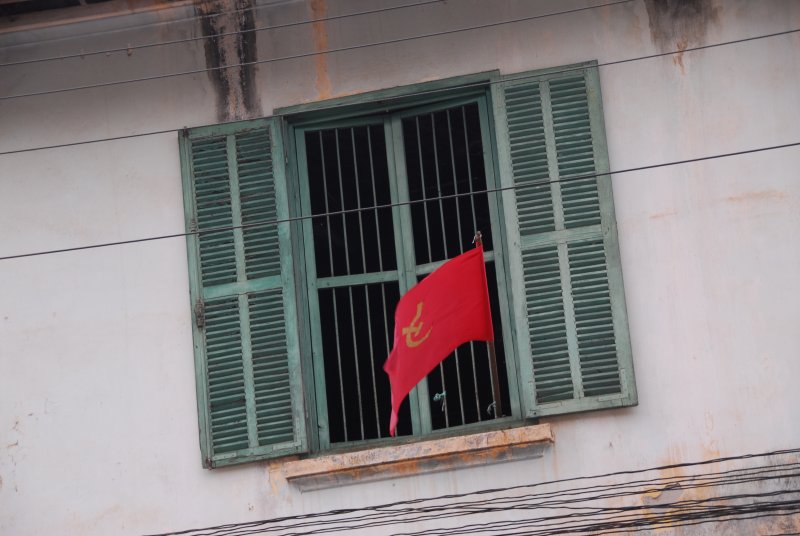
98	428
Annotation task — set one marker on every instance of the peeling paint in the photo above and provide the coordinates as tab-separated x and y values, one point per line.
319	10
277	475
429	456
235	44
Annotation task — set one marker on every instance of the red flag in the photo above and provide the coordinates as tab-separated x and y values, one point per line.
446	309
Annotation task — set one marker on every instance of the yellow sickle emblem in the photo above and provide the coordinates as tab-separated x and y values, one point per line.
413	329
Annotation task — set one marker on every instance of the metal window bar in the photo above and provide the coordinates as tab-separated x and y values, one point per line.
366	297
461	250
332	271
444	248
349	289
475	226
435	150
424	191
340	161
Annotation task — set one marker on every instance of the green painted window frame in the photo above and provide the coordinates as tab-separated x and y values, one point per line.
407	271
489	89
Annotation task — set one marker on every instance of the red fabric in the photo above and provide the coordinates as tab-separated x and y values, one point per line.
454	309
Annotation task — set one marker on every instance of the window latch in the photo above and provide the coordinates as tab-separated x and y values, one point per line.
200	314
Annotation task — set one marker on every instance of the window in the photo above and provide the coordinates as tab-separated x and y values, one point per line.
296	269
427	160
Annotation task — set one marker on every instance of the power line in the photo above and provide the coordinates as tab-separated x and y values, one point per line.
576	500
98	140
158	23
574	510
348	48
511	78
533	184
286	58
380	516
130	48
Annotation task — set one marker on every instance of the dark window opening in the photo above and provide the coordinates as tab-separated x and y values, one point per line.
444	162
357	326
347	171
357	281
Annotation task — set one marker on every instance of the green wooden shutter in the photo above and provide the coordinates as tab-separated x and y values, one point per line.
572	331
249	390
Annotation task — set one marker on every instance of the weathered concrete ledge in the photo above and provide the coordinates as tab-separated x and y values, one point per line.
417	458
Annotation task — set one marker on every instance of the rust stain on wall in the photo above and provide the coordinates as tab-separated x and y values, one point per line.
229	25
761	195
662	215
677	59
319	10
277	476
680	24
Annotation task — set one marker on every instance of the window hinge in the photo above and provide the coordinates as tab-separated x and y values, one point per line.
193	225
200	314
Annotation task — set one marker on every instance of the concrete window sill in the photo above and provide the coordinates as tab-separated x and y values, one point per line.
418	458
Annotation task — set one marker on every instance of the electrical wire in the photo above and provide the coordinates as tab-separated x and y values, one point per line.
656	485
565	520
130	48
334	524
147	25
283	58
616	520
392	516
358	47
575	510
191	18
532	184
335	106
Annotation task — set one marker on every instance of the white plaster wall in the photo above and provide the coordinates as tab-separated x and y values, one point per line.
98	430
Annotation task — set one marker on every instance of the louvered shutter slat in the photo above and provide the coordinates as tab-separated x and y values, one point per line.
250	403
225	383
575	320
270	367
257	194
212	198
547	324
593	317
575	151
529	157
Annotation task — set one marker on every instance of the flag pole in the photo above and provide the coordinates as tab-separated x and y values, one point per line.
498	403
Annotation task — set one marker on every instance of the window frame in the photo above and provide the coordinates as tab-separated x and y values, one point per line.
487	89
372	109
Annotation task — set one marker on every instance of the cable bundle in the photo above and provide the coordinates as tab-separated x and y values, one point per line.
625	501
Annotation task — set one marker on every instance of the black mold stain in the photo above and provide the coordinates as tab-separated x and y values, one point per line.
234	43
680	23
